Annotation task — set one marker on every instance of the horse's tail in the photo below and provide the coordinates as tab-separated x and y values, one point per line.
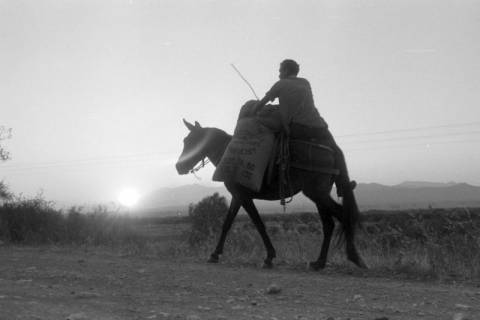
351	215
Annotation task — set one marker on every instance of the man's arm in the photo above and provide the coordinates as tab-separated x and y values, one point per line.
260	104
269	96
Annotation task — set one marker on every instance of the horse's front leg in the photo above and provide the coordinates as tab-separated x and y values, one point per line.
227	224
252	211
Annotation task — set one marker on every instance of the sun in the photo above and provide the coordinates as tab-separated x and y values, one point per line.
128	197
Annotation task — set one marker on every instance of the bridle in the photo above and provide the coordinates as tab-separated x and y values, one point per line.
202	164
207	159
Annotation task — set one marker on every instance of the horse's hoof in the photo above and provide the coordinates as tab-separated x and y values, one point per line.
358	261
213	259
315	265
361	264
267	264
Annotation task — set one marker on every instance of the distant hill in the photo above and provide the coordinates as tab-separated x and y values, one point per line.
410	195
406	195
422	184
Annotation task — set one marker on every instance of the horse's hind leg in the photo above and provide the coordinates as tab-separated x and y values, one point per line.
227	224
328	224
252	211
348	232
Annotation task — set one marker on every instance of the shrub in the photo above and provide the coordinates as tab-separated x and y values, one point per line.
30	221
206	218
36	221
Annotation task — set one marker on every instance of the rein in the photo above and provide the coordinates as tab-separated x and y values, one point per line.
200	166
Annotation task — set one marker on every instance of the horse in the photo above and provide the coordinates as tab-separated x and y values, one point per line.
210	143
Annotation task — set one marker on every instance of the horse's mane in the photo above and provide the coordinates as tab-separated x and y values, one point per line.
218	133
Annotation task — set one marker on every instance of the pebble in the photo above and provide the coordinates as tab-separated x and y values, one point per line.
77	316
274	289
24	280
460	316
238	307
87	295
462	306
357	297
164	314
204	308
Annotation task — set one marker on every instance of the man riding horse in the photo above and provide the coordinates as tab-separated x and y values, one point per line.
300	118
312	169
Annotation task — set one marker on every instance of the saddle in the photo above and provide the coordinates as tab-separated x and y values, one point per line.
307	155
302	154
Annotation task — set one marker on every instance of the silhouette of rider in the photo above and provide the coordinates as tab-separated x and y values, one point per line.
300	118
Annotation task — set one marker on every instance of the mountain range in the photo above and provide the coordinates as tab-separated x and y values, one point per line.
406	195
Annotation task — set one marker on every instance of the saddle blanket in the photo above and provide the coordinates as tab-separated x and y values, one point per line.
312	157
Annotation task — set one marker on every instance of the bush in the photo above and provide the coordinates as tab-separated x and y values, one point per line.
206	218
30	221
5	193
36	221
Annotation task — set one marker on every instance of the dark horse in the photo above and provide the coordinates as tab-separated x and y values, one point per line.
211	143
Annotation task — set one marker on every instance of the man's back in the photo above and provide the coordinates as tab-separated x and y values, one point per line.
296	100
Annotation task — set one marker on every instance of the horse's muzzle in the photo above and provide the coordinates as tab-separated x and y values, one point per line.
181	168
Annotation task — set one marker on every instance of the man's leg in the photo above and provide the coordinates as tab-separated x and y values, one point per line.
343	180
324	136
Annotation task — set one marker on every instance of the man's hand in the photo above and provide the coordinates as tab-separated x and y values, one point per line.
260	104
257	108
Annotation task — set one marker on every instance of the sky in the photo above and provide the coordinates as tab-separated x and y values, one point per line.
95	91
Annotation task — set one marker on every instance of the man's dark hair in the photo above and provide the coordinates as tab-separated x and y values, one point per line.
290	66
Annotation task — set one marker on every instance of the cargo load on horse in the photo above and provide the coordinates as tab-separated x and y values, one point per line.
258	149
248	154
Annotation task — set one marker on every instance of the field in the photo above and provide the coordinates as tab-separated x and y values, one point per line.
440	244
97	265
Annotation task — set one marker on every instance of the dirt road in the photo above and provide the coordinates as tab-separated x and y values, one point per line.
58	283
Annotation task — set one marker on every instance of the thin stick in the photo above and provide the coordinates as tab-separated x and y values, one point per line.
243	78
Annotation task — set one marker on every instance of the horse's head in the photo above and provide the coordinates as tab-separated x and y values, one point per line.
195	147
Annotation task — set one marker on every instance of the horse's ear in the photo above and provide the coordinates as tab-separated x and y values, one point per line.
189	125
197	125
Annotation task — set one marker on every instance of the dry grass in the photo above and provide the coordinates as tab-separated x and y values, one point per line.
442	244
439	244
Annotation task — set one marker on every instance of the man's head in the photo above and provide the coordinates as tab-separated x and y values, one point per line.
288	68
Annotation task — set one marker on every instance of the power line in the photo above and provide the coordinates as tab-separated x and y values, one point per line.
139	157
450	134
425	144
125	159
458	125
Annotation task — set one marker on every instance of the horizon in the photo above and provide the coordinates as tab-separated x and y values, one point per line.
95	92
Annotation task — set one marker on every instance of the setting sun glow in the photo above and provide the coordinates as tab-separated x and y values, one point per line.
128	197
